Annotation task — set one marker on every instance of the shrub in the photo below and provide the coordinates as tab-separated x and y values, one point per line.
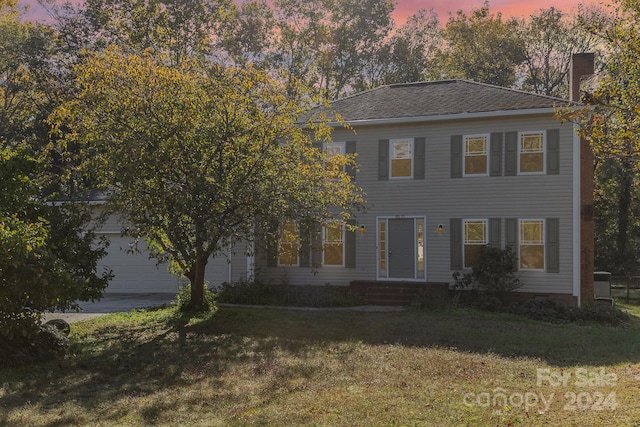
47	343
549	310
493	276
183	299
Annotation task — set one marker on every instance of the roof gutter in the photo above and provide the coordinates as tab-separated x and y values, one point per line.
443	117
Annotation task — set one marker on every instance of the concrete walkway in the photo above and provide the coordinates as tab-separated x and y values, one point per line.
116	303
113	303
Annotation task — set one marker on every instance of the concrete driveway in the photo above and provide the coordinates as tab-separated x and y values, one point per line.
113	303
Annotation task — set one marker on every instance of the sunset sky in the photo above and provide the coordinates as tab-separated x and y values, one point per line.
405	8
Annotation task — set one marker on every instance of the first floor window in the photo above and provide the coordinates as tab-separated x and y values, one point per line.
401	157
475	238
532	244
531	152
288	244
333	245
475	154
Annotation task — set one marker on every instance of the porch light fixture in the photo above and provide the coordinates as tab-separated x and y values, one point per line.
440	228
362	229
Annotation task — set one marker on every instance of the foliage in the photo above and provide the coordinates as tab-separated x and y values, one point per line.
494	276
550	310
481	47
45	344
183	299
198	158
49	253
282	295
610	121
550	38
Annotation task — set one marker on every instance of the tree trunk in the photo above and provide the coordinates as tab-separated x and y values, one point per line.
196	277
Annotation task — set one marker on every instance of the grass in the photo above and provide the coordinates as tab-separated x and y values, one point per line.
245	366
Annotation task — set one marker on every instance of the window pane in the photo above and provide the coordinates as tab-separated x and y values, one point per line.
532	257
532	162
400	168
475	165
471	254
531	152
333	245
476	145
475	232
532	232
288	245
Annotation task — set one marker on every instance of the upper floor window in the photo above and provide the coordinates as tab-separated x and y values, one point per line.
334	149
401	154
288	244
475	154
475	238
532	244
531	152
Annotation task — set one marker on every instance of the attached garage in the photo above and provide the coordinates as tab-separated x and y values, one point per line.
137	273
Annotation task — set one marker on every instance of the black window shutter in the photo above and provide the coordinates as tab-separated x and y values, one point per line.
495	232
511	234
456	156
419	158
552	245
511	153
350	148
383	159
455	233
495	160
350	246
553	151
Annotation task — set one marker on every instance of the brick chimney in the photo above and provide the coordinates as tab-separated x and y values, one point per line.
582	66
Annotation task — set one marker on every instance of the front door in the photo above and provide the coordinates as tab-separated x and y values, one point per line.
401	251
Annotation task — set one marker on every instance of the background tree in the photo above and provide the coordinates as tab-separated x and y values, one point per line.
49	254
481	47
611	122
198	158
550	38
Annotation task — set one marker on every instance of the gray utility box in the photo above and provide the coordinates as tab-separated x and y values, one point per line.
602	284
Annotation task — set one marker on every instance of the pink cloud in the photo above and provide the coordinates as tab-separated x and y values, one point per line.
405	8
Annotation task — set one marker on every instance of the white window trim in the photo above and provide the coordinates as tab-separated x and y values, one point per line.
324	236
544	151
464	239
464	153
415	243
413	156
544	243
297	264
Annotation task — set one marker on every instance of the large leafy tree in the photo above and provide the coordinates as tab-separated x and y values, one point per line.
481	47
198	158
49	255
611	122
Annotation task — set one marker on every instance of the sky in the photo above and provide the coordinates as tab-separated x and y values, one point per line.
405	8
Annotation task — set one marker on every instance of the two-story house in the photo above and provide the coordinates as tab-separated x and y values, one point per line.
448	167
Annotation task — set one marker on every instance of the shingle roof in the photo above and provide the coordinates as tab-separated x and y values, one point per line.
438	98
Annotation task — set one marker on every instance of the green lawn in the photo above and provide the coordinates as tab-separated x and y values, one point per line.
245	366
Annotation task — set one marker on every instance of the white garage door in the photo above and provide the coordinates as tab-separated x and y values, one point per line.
136	273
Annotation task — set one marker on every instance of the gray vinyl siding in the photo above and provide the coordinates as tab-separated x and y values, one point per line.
439	198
